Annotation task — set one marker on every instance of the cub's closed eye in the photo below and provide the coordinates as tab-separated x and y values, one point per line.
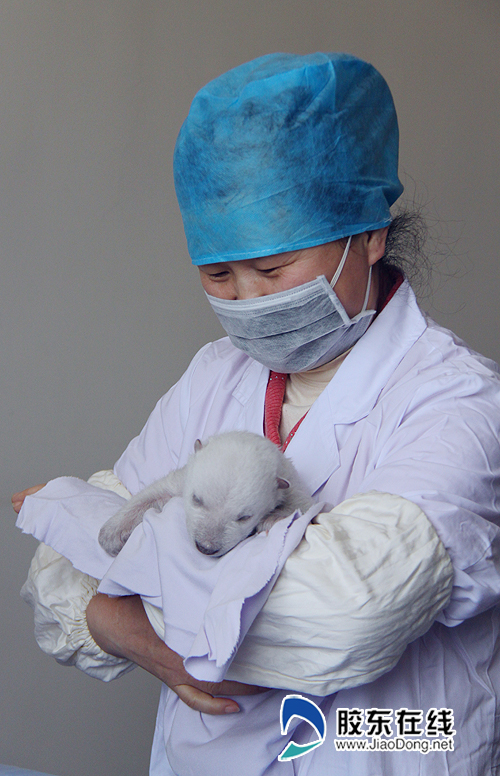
196	500
242	518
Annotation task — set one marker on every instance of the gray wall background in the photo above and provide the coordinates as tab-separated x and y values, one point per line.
100	309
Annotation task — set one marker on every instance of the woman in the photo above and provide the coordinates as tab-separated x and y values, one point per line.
285	171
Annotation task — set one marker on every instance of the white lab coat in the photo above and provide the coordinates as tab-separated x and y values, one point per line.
413	412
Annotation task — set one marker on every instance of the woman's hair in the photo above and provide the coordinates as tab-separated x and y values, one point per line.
405	247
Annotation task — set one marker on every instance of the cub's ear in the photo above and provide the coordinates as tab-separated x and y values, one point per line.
197	445
282	484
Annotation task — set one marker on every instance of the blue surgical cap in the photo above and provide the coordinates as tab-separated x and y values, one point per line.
286	152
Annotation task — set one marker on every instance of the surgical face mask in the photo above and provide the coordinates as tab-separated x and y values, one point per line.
294	330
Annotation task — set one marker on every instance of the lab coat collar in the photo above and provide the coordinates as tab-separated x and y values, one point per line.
355	388
367	369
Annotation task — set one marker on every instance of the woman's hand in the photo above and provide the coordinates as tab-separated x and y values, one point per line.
18	498
120	627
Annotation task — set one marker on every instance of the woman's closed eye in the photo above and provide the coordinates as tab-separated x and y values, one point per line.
269	270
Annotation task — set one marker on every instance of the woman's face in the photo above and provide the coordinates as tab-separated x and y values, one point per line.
251	278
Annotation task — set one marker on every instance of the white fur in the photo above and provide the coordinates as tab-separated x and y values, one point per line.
234	485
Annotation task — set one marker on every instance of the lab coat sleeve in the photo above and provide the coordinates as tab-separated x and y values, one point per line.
368	578
206	400
156	450
150	455
445	457
59	594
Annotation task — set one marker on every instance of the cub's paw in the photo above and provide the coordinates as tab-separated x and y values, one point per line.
112	537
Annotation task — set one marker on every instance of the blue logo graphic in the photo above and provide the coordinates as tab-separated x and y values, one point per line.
303	708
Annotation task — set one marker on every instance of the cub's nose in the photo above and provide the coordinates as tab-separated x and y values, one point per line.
207	549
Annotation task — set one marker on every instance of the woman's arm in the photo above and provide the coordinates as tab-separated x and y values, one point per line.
368	578
120	627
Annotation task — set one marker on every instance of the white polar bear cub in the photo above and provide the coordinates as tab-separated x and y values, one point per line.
233	486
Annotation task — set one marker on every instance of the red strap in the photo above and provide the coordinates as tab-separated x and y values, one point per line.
293	432
273	407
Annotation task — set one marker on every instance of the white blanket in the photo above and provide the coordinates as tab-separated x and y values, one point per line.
208	603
